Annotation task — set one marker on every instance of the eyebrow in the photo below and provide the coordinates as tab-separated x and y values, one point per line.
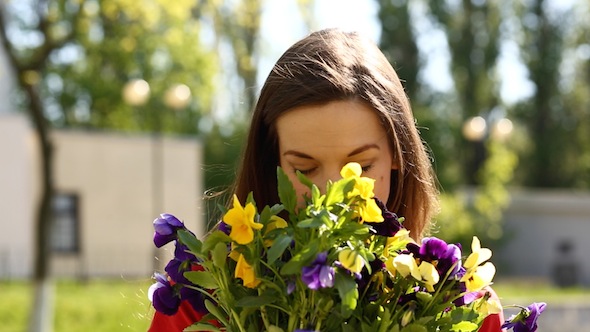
354	152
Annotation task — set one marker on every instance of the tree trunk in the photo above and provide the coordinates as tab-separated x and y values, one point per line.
41	319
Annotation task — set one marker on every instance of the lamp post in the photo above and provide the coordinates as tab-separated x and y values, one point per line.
478	130
136	93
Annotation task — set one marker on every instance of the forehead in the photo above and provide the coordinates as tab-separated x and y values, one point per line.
335	126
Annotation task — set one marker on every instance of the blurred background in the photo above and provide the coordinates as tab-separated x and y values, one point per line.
114	111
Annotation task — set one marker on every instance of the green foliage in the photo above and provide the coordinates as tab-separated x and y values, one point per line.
117	41
479	211
259	275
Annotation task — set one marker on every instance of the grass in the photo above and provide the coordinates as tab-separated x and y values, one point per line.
98	305
526	291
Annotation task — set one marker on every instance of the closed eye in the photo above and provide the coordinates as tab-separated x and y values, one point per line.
367	168
306	171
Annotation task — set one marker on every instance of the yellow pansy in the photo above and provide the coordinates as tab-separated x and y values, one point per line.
406	265
478	254
429	275
351	170
245	272
479	277
396	242
275	223
351	260
241	220
370	211
487	306
389	265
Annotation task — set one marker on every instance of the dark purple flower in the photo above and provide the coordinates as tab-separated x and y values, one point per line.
165	228
163	296
526	320
225	228
445	255
195	298
182	262
182	253
318	274
390	225
377	265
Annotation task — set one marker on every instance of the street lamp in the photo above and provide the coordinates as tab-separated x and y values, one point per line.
136	93
478	130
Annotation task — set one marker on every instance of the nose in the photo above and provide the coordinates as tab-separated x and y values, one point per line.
329	174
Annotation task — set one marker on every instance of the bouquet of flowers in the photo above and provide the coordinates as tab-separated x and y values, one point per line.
338	262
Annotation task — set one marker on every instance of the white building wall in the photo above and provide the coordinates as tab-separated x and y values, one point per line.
536	223
120	185
17	195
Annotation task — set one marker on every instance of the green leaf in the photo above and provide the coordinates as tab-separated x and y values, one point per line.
202	279
201	327
304	179
276	209
300	259
219	255
274	328
217	312
414	328
464	327
256	301
278	248
347	289
310	223
286	190
214	238
339	191
188	239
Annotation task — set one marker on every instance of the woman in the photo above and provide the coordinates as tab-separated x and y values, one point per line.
333	98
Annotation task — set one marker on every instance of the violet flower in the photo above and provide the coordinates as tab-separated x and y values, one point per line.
446	255
225	228
390	225
163	296
318	274
195	298
165	228
526	320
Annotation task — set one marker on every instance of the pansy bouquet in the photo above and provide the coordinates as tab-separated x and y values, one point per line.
337	262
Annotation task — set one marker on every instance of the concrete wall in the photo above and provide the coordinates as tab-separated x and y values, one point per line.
123	182
536	223
17	195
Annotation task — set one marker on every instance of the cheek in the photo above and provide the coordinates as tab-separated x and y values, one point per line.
382	187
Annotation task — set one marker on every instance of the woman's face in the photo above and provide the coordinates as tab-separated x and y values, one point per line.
319	140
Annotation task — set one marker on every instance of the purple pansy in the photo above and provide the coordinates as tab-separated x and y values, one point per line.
318	274
390	225
165	228
526	320
195	298
225	228
163	296
446	255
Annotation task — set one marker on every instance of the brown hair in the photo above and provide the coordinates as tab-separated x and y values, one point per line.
331	65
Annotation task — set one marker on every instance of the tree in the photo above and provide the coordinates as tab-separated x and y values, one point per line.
28	62
552	119
472	35
59	48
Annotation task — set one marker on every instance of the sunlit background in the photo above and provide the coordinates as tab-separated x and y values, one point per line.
114	111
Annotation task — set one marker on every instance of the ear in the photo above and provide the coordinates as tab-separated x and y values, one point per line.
394	164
